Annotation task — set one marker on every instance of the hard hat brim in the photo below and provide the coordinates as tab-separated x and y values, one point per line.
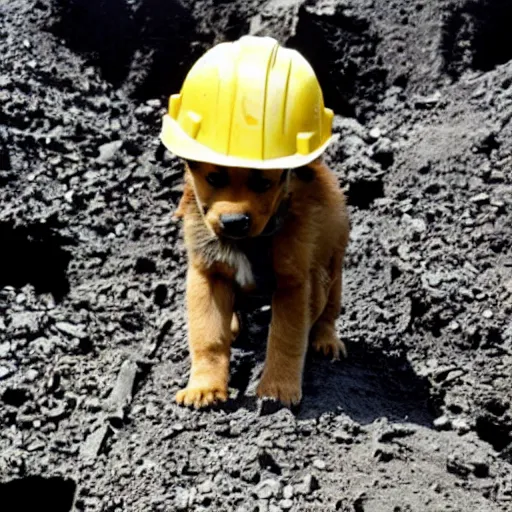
178	142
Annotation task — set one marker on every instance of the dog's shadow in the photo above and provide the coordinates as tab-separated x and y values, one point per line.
368	385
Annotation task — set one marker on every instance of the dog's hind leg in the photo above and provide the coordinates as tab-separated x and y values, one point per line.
323	333
235	326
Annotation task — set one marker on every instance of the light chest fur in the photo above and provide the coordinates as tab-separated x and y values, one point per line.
250	260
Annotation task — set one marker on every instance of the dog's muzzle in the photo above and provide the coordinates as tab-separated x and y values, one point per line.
235	225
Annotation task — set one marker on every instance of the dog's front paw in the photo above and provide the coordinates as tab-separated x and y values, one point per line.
287	392
327	342
202	396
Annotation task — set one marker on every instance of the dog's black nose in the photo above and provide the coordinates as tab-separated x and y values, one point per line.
235	225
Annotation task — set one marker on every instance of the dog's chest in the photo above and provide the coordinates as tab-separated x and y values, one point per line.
251	261
258	254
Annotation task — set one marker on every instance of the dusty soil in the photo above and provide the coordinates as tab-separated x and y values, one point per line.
92	336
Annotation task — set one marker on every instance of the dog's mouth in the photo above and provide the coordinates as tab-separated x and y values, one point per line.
224	236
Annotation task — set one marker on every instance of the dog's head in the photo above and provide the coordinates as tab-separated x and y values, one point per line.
237	202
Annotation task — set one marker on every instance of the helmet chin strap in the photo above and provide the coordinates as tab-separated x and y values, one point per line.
275	223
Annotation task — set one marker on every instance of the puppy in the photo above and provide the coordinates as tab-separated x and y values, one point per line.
236	220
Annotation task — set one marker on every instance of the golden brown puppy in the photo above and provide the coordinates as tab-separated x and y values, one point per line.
302	213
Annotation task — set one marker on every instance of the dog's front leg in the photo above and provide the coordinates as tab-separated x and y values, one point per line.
210	300
287	345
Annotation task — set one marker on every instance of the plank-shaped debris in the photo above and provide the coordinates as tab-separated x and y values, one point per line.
94	443
150	348
122	393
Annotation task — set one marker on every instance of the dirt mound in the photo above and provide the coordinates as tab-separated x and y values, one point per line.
92	328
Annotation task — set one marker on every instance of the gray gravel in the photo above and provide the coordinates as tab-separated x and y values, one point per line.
92	329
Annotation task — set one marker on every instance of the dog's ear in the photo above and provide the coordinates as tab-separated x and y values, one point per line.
305	173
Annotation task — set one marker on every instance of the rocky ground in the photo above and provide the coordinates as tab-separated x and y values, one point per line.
92	335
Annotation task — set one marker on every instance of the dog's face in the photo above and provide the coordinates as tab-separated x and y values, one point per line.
237	202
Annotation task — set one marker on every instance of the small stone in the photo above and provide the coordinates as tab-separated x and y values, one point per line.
151	410
286	504
288	492
434	279
72	330
319	464
108	151
454	326
93	404
115	125
155	103
31	375
308	485
68	196
389	432
351	145
57	413
481	198
497	176
25	322
460	425
427	101
182	499
5	348
206	487
375	133
466	293
403	252
178	427
442	423
268	488
5	372
418	225
251	475
35	446
119	229
487	314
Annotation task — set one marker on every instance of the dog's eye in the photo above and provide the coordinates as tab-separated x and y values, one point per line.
217	179
259	184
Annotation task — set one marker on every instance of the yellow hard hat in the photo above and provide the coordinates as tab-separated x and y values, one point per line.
250	103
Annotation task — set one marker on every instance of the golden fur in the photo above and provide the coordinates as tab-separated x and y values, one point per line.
310	230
